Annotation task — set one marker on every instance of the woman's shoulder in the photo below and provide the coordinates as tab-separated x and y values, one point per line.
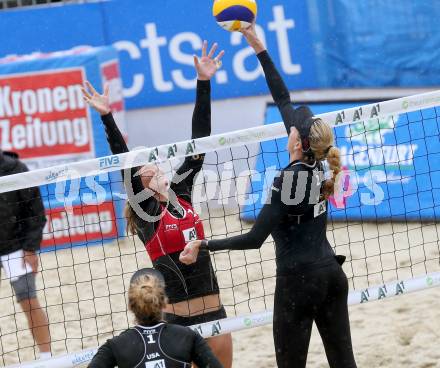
291	173
126	335
118	344
298	166
182	333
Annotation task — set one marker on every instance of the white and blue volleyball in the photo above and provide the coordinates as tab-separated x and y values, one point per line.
234	14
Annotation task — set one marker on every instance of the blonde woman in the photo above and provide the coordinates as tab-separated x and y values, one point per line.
310	285
153	343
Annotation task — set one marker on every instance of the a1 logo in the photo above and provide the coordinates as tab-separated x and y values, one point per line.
189	234
156	364
320	208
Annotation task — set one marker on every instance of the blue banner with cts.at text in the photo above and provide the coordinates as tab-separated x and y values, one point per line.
314	43
157	40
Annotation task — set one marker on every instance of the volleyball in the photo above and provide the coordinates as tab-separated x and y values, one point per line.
234	14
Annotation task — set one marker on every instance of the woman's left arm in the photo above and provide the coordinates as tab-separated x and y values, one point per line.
206	68
201	127
269	216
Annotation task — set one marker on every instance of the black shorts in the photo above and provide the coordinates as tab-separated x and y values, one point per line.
24	286
185	282
195	320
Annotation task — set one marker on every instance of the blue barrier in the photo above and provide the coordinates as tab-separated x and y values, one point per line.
376	43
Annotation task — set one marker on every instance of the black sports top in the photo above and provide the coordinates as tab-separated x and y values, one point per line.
201	127
160	346
294	215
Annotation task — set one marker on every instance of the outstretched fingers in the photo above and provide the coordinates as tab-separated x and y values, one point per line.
204	47
86	95
220	55
213	49
217	59
106	89
91	88
196	61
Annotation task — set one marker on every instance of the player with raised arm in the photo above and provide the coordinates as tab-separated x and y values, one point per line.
153	343
310	283
164	218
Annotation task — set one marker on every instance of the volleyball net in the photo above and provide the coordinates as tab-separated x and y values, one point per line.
384	219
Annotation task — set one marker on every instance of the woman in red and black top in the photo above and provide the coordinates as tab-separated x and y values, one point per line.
164	219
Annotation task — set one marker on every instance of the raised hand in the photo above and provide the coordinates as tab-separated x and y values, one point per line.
190	252
207	65
250	34
100	103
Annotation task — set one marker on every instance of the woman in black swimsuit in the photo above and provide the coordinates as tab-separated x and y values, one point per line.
310	285
153	343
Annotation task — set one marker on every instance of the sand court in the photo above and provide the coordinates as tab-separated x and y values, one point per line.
84	292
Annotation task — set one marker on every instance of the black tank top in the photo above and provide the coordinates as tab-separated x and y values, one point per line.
154	357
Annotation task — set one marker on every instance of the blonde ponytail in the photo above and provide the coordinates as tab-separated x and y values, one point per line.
321	142
334	162
147	299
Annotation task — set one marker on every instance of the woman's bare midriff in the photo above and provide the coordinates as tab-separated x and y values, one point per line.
196	306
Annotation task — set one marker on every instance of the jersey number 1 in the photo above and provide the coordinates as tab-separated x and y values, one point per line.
150	339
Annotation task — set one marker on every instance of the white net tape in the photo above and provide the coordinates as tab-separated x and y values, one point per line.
209	144
227	325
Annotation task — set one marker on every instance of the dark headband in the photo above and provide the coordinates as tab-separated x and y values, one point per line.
303	120
148	272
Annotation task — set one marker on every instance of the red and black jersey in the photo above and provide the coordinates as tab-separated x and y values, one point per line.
173	232
201	127
176	223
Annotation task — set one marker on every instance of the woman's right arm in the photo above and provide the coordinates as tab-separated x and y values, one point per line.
269	216
117	146
104	358
101	104
275	82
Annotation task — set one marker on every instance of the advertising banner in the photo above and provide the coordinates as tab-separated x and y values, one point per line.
376	44
342	43
390	166
44	119
43	116
156	44
83	225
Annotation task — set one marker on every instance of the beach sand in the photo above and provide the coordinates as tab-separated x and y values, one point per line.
84	291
